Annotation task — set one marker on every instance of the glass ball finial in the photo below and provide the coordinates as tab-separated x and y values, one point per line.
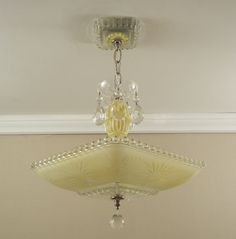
117	221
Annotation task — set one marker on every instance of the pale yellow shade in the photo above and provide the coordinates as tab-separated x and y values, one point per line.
115	165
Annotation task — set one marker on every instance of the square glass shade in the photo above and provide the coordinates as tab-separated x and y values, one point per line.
117	165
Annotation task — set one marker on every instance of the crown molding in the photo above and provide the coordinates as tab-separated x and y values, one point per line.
153	123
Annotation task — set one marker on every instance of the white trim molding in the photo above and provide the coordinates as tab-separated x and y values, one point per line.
153	123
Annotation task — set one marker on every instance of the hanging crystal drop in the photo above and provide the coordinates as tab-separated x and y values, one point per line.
99	116
137	114
129	88
117	221
133	88
105	88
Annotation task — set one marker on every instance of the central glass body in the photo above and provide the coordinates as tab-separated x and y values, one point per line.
118	119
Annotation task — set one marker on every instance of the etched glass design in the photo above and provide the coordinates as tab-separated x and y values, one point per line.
117	165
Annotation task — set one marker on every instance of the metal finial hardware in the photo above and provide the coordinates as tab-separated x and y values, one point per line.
117	198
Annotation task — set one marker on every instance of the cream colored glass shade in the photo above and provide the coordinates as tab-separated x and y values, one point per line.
117	165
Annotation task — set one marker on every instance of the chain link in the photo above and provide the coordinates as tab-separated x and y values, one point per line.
117	59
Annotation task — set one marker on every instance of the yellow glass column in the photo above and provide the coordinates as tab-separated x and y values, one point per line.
118	118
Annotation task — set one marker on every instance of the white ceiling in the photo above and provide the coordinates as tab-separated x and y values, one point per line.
184	63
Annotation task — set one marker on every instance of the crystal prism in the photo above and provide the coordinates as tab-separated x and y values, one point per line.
99	117
137	114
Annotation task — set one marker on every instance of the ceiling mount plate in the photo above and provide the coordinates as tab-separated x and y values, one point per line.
110	29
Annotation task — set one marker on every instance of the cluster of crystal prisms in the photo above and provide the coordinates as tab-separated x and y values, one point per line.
122	111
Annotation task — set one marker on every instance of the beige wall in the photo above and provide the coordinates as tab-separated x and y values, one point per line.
203	208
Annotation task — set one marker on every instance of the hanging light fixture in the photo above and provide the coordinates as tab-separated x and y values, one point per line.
117	167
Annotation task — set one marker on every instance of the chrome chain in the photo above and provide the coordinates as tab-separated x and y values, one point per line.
117	59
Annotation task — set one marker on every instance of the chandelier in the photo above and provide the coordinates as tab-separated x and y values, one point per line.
117	167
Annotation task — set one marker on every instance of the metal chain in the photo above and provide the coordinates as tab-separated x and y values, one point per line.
117	59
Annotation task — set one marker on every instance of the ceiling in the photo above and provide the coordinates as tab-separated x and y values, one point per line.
185	60
203	208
